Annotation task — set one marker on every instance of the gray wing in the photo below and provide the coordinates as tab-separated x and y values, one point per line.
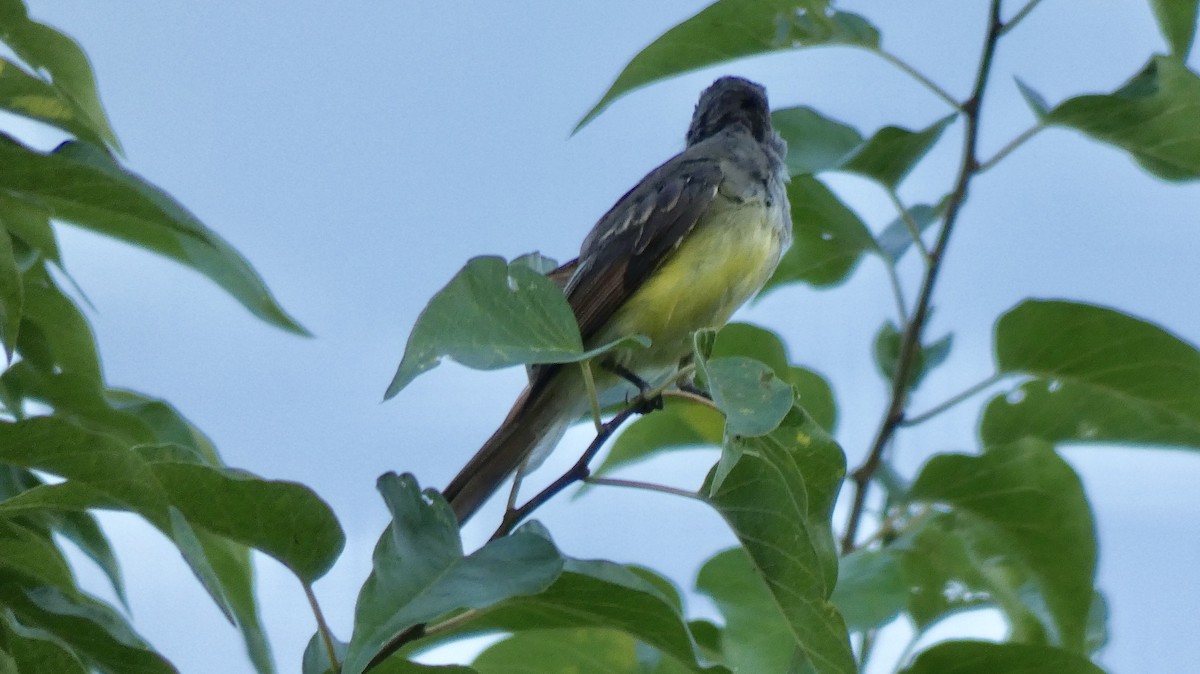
634	238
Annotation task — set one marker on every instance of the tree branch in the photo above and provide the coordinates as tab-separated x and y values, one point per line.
577	472
911	344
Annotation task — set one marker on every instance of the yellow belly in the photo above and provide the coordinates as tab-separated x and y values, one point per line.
723	263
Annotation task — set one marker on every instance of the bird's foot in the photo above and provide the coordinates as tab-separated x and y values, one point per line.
690	387
645	405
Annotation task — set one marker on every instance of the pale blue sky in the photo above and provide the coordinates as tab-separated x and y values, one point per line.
359	153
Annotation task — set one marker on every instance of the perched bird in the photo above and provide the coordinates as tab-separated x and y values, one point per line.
681	251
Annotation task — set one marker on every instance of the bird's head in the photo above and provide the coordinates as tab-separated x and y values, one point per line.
729	101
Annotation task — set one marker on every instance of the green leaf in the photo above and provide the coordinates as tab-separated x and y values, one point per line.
888	343
44	48
164	423
316	661
577	651
187	540
35	651
1097	626
731	29
1105	377
982	657
815	142
55	336
232	567
813	392
12	293
1034	503
104	473
316	655
815	396
82	529
890	154
1155	117
96	461
871	589
34	554
88	627
537	262
778	498
954	561
647	579
751	341
598	594
939	570
282	519
756	636
31	225
1035	101
708	638
404	667
247	509
828	238
1177	21
896	238
420	572
819	24
493	315
752	398
28	96
82	184
75	399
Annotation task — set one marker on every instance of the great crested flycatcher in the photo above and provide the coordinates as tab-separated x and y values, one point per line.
681	251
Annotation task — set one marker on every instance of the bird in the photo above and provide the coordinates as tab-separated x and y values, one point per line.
683	249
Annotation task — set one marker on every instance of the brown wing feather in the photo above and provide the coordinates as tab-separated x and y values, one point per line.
636	235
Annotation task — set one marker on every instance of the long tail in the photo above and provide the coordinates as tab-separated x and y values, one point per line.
537	422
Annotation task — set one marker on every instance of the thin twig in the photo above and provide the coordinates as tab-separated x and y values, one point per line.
688	395
918	76
1012	145
913	229
515	491
1019	16
647	486
581	471
911	343
322	627
577	472
952	401
897	291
